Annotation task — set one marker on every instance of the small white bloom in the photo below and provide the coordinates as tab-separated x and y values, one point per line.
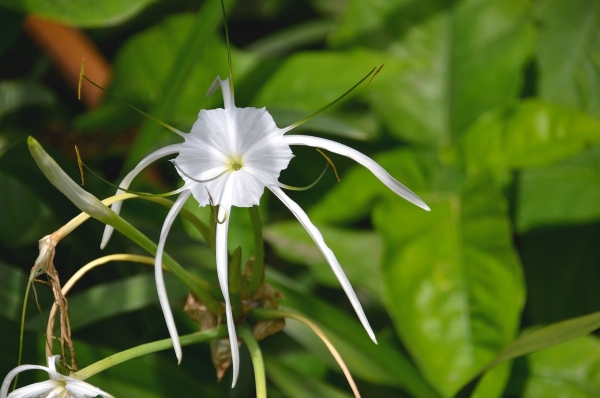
228	158
58	386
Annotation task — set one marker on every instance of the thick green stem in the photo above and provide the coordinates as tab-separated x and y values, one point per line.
160	345
258	267
257	361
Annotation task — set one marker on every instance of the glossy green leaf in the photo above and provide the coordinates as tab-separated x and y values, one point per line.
295	385
453	281
359	253
454	61
568	53
568	370
381	364
74	13
528	133
12	291
564	193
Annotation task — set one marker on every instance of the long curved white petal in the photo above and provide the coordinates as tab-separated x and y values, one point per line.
11	375
364	160
222	272
315	234
158	273
154	156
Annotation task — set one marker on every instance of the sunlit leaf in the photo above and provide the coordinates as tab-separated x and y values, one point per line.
453	281
568	53
564	193
526	134
74	13
455	61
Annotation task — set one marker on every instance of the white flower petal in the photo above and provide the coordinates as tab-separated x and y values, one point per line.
222	272
315	234
11	375
116	207
34	390
364	160
79	388
158	273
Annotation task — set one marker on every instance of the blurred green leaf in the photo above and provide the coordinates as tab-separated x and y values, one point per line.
359	253
311	80
12	291
353	198
18	94
563	193
568	370
295	385
568	53
455	60
453	281
381	364
22	213
525	134
83	14
120	297
289	39
11	27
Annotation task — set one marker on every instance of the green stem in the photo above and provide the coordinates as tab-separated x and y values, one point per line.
257	361
22	329
160	345
258	267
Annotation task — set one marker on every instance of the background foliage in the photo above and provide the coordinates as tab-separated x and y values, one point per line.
487	109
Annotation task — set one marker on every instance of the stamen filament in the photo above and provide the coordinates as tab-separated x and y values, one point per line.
197	180
291	188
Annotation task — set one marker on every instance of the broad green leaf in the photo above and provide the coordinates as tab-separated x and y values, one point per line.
525	134
98	13
568	53
295	385
561	270
380	364
453	281
18	94
359	253
353	198
310	80
563	193
568	370
454	61
12	291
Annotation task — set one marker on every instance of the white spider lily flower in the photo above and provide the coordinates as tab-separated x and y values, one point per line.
228	159
58	386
